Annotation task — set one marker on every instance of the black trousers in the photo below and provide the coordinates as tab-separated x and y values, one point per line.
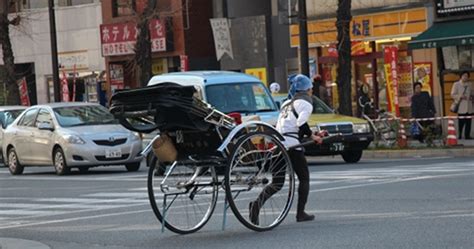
300	166
466	124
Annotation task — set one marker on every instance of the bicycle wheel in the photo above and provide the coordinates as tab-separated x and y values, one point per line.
184	198
259	181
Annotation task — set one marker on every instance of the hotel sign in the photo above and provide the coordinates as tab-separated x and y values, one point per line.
120	38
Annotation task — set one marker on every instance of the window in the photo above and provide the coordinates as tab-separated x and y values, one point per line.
7	117
29	118
319	107
123	7
83	115
73	2
240	97
36	4
43	117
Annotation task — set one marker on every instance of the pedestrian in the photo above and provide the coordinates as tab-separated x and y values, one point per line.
422	106
463	93
319	89
293	125
364	101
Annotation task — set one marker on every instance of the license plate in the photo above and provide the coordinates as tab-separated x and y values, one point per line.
113	153
337	147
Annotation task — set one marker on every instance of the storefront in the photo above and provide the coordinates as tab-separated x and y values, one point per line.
379	50
118	47
451	39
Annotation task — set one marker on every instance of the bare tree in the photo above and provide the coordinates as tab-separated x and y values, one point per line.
8	74
344	74
143	45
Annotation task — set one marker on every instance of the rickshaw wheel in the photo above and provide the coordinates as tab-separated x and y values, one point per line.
184	199
259	178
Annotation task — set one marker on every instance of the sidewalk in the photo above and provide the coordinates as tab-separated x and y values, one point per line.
465	148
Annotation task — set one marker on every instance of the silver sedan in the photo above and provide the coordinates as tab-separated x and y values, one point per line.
67	135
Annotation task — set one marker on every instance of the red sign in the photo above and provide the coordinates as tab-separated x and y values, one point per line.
23	87
120	38
74	84
391	59
64	88
332	51
184	63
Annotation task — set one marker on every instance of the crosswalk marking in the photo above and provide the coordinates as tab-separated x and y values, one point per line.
32	210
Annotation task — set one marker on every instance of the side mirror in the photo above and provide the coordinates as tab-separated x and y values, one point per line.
46	126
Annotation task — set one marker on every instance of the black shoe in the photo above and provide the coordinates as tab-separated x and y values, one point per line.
468	138
253	212
304	217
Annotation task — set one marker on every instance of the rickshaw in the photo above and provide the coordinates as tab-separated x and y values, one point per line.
194	140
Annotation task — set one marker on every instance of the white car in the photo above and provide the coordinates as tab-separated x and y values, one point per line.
8	114
68	135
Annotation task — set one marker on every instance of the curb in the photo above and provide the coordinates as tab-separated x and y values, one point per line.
416	153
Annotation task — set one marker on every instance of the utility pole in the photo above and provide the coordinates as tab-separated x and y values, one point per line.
54	51
303	27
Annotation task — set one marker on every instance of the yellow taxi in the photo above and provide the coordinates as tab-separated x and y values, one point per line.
354	133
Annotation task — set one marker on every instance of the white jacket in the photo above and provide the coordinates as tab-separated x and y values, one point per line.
466	105
288	123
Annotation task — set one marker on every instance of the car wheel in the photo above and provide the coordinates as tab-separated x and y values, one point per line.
13	164
160	169
131	167
60	164
352	156
83	169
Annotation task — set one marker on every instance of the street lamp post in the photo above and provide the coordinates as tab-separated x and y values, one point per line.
54	51
303	28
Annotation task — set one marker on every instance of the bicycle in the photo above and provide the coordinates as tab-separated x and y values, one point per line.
384	127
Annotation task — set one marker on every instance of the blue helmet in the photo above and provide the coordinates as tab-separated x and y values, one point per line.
298	83
301	82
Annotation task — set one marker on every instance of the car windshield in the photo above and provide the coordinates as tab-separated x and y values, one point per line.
83	115
7	117
240	97
319	107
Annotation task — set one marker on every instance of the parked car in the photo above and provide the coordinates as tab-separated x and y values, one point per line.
7	115
355	132
68	135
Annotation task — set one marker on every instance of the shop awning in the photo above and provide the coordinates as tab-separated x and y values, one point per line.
445	34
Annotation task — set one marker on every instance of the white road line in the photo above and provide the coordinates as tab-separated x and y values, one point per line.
148	210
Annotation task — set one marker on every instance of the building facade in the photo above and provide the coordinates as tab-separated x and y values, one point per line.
181	39
451	42
260	39
378	29
77	24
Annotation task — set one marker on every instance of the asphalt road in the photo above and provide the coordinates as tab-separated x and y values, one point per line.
406	203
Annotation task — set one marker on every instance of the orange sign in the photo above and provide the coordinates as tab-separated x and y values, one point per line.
366	27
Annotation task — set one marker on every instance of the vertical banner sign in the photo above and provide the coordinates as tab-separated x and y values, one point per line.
405	84
23	87
184	63
222	39
64	88
260	73
74	84
391	59
116	77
